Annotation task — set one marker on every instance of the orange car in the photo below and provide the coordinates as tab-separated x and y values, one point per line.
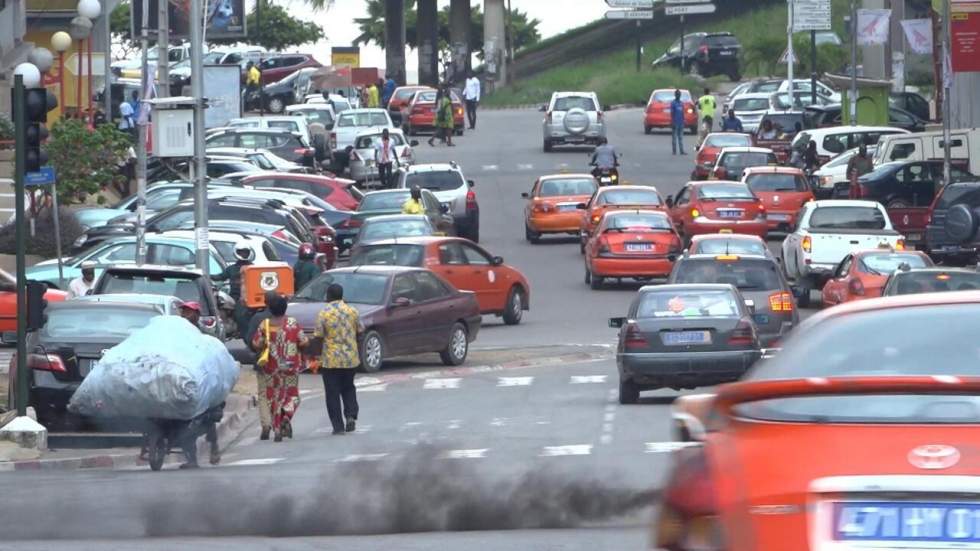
399	99
717	206
637	244
552	205
859	434
712	145
863	274
8	301
420	113
616	197
783	190
658	110
500	289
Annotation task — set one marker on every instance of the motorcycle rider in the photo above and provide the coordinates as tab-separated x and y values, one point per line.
244	256
414	203
604	158
305	269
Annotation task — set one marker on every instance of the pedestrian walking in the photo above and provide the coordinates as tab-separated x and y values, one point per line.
677	124
385	156
127	119
253	81
206	423
282	337
80	286
261	379
338	327
471	93
811	162
858	166
373	96
707	105
444	117
388	91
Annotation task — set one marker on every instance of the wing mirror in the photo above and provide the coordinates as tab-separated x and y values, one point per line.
669	201
617	323
526	195
581	206
401	302
497	261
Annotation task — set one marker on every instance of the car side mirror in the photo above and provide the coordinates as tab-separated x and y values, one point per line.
750	304
444	209
581	206
401	302
414	143
471	183
617	323
526	195
543	108
669	201
497	260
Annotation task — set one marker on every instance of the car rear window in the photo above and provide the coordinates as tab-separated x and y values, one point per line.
404	95
348	120
731	246
687	304
747	274
777	182
629	197
375	230
435	181
382	201
725	191
787	123
728	140
744	160
770	86
575	102
667	96
425	97
847	218
721	41
934	282
750	104
389	255
104	321
886	263
637	221
359	288
291	126
184	288
570	186
368	142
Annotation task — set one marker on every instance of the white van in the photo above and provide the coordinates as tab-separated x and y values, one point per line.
964	148
838	139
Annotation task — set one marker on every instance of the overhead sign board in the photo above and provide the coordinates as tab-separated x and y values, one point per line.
689	9
811	15
641	4
629	14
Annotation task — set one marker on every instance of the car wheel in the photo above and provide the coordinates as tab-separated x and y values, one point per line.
459	345
531	236
547	145
372	352
276	105
588	276
629	393
595	282
156	448
515	306
647	129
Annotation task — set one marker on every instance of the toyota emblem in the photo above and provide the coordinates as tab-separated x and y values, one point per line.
934	456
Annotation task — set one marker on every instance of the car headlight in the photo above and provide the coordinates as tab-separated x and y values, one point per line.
81	240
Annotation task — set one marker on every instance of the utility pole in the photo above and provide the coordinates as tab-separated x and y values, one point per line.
947	87
199	163
639	45
20	166
683	68
789	52
853	100
163	49
141	138
813	67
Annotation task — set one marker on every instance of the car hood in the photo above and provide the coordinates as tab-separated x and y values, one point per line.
306	312
96	216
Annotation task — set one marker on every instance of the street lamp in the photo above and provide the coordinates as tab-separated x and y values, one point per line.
79	30
61	42
90	9
30	73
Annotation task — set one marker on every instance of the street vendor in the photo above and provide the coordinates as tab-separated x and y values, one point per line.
206	423
191	311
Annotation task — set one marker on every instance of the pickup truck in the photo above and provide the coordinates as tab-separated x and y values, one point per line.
348	126
827	232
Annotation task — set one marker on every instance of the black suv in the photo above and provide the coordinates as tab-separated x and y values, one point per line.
704	54
953	231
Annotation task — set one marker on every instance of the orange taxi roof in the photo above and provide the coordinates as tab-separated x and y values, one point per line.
561	176
900	301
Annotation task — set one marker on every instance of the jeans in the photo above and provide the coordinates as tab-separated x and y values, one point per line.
471	112
384	174
677	139
339	386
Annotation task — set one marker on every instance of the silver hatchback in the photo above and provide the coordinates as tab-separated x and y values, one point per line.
573	118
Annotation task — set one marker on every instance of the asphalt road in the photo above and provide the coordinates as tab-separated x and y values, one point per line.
534	458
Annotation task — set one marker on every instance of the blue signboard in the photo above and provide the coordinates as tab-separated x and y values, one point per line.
43	177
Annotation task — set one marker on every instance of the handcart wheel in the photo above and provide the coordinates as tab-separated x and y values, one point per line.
157	451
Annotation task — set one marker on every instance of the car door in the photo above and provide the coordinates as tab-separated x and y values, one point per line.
835	291
679	212
439	311
404	322
441	221
484	278
451	263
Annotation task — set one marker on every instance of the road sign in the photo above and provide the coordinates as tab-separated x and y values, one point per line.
640	4
783	58
43	177
811	15
629	14
689	9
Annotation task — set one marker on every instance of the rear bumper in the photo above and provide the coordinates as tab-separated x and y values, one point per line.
777	220
707	225
558	134
631	267
559	222
684	369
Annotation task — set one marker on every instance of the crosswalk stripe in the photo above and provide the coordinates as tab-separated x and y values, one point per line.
374	388
514	381
467	454
358	457
667	447
575	449
490	167
587	379
437	384
254	462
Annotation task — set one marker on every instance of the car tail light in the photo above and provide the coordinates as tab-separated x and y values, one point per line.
46	362
687	517
471	200
333	140
695	213
900	245
743	334
807	244
595	218
634	338
604	249
781	302
856	287
541	207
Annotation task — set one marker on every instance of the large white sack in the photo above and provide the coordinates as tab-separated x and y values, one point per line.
166	370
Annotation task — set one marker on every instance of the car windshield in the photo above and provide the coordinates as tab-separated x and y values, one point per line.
628	197
786	124
748	274
569	186
359	288
184	288
728	140
383	201
743	160
927	340
435	181
731	246
721	41
568	103
106	320
687	304
375	230
777	182
847	218
667	96
426	97
886	263
724	191
637	222
350	120
368	142
750	104
388	254
291	126
930	281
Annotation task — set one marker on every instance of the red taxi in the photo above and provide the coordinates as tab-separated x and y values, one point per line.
612	198
783	190
658	110
717	207
400	98
863	274
732	161
637	244
727	243
420	113
712	145
8	301
860	433
552	204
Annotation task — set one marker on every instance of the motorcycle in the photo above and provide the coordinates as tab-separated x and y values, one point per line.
226	305
606	176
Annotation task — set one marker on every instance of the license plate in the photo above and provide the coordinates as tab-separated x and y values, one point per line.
639	247
567	208
729	214
675	338
907	522
761	319
779	217
915	237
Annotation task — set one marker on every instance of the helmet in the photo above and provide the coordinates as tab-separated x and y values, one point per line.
306	251
244	252
416	193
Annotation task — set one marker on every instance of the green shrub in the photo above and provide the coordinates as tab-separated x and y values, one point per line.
86	161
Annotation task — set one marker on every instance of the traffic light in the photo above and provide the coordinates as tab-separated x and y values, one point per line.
37	103
36	305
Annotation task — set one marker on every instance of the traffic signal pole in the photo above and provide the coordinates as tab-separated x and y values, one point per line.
20	167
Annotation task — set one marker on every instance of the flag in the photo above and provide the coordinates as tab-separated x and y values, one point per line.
947	69
918	33
873	27
150	92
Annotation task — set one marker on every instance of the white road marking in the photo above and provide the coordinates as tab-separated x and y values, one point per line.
514	381
360	428
454	424
575	449
374	388
358	457
490	168
307	391
610	408
605	439
498	422
543	423
524	166
253	462
366	381
441	384
609	416
467	454
587	379
667	447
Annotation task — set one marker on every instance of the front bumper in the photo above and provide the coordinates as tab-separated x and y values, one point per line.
684	369
703	225
631	266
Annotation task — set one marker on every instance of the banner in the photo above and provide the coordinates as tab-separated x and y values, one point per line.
918	33
873	27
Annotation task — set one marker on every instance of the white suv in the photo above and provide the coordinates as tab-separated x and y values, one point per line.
573	118
452	189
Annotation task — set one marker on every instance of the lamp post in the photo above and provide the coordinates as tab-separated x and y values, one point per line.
79	30
90	9
61	42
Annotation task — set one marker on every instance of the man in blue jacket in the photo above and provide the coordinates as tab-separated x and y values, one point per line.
677	124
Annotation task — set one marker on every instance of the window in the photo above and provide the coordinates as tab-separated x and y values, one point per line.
684	196
117	253
161	200
173	219
847	218
696	304
634	221
675	48
750	104
835	143
368	142
254	141
902	151
428	287
223	140
629	197
291	126
359	288
569	187
233	59
383	201
388	254
845	267
452	254
295	184
78	323
777	182
475	257
435	181
667	96
367	118
403	287
728	140
886	263
745	274
725	191
568	103
171	255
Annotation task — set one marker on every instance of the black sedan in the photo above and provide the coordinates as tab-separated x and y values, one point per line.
63	352
684	336
903	184
404	311
905	281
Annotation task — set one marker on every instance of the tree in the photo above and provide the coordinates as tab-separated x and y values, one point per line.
278	29
119	29
764	52
106	150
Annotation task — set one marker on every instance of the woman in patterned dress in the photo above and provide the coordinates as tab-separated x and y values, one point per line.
285	339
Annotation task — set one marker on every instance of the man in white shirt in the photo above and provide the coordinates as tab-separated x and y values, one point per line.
80	286
126	117
385	155
471	93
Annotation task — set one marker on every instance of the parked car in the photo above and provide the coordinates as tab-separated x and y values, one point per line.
452	189
912	103
717	206
419	114
749	108
683	336
552	204
635	244
158	197
953	228
224	242
399	99
390	301
612	198
282	240
321	113
336	191
727	243
217	167
384	202
824	91
964	148
863	274
286	123
831	115
705	54
362	166
787	125
657	114
712	145
783	191
381	228
277	95
275	67
505	293
732	161
350	124
265	160
573	118
909	280
8	301
287	145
